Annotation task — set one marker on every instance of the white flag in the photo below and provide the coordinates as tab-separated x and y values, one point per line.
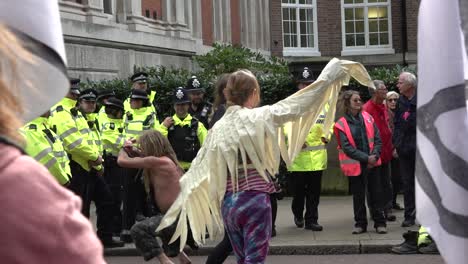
442	131
37	25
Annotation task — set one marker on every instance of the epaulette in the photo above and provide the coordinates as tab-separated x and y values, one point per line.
129	116
74	111
32	126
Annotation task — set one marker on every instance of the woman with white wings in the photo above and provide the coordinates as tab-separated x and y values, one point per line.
250	139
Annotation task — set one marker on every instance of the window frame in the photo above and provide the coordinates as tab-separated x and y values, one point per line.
367	49
299	51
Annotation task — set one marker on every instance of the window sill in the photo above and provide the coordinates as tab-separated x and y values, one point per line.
292	52
367	51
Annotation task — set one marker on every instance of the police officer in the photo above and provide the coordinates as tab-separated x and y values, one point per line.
139	118
43	144
198	107
185	133
97	189
112	136
307	168
140	82
102	98
86	161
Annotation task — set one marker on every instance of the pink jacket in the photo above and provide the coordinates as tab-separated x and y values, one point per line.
40	220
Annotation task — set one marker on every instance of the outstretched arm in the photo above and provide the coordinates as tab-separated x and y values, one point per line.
137	162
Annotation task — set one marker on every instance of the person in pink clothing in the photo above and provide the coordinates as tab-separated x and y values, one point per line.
377	108
41	221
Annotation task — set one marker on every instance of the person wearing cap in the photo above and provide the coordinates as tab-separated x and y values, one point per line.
43	144
141	117
112	138
199	108
140	82
307	168
97	189
185	133
73	129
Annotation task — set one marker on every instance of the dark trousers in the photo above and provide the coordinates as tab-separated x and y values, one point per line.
386	184
134	197
91	187
306	190
396	178
407	167
114	175
368	183
224	248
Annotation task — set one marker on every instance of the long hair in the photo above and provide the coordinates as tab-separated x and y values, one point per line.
153	143
344	102
240	86
220	85
11	52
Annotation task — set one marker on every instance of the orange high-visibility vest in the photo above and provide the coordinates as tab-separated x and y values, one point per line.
351	167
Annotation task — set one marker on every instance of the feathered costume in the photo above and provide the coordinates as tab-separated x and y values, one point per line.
257	135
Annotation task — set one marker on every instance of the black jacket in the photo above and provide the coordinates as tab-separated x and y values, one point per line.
404	134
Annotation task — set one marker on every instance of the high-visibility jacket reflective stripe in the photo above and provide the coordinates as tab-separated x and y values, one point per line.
152	96
351	167
134	121
72	128
46	147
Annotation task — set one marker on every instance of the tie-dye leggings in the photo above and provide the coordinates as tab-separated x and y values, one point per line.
247	218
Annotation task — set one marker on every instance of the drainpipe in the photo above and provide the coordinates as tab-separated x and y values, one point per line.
404	34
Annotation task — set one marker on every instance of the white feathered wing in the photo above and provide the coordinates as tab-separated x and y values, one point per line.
258	134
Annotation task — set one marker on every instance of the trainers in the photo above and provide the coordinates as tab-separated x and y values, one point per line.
381	230
313	227
407	223
299	222
358	230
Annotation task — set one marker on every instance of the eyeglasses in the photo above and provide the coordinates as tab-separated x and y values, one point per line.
357	100
392	100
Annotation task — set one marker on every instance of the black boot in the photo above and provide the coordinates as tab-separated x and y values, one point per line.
429	249
410	246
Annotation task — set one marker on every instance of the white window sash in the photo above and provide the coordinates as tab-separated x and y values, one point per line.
367	49
300	51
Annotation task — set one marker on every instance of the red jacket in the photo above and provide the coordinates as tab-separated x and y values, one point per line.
380	114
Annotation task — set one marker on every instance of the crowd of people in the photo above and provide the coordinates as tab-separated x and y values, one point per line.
119	155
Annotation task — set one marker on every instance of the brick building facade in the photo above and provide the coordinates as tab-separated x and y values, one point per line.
333	17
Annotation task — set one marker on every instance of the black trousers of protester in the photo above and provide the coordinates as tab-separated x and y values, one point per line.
386	184
91	187
114	175
134	197
368	183
224	248
407	167
396	178
306	190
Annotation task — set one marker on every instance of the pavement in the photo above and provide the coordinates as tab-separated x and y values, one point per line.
336	217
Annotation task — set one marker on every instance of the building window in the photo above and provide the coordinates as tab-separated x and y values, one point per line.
147	13
107	6
366	27
155	15
299	27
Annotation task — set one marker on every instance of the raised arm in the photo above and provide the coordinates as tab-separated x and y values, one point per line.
137	162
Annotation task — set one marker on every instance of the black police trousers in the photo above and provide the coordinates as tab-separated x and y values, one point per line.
134	197
91	187
114	175
306	187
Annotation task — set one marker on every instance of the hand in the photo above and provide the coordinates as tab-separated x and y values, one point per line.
371	160
168	122
304	146
129	143
324	140
395	153
97	162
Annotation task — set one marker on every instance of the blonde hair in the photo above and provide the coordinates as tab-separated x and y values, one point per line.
153	143
11	52
393	93
240	86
